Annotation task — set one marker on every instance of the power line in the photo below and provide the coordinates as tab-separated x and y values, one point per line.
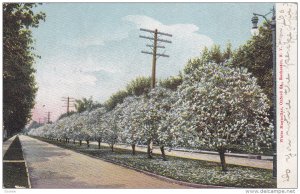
154	48
148	45
153	31
151	53
156	39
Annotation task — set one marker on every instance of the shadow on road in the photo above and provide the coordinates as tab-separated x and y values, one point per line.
37	154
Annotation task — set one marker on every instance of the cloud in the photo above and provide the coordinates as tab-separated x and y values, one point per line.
80	78
100	64
187	41
90	65
183	34
88	40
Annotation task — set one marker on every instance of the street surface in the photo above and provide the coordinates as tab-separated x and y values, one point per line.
54	167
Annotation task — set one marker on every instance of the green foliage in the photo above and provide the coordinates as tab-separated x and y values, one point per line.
256	56
19	86
84	104
66	115
34	124
214	55
171	82
139	86
116	99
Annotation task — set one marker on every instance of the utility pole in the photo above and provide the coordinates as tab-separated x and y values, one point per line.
40	121
48	117
68	100
154	47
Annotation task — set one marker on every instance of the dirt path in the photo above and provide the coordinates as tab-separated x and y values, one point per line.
54	167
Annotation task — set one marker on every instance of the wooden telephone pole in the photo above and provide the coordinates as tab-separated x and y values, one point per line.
48	117
154	47
40	120
68	100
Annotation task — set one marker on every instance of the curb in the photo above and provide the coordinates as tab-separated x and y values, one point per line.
26	166
167	179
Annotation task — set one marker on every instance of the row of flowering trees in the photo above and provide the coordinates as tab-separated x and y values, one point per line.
215	105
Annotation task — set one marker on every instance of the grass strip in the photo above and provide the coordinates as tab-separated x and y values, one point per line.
14	151
14	173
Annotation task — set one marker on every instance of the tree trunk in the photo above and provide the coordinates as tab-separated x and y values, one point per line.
88	143
112	147
133	149
222	158
162	149
73	141
80	142
99	142
149	150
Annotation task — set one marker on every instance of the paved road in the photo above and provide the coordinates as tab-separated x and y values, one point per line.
266	164
54	167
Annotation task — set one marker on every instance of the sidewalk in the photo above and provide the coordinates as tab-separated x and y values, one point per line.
54	167
242	161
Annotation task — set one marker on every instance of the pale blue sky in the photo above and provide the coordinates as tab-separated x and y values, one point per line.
93	49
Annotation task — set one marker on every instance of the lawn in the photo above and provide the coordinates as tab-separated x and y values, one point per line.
14	151
14	174
188	170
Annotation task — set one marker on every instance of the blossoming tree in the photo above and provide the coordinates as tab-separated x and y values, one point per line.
220	106
160	102
130	121
111	127
96	121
